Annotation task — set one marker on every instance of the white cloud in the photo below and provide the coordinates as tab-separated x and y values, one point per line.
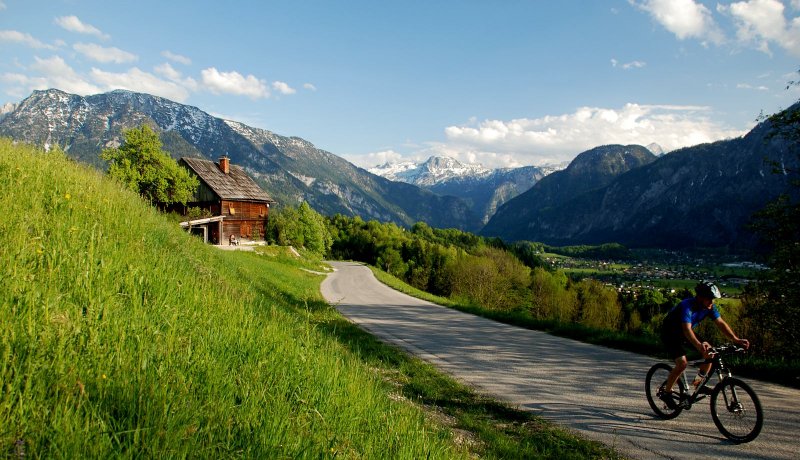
761	22
73	24
167	71
234	83
684	18
558	138
283	88
26	39
311	87
103	54
53	72
176	57
373	159
137	80
749	86
628	65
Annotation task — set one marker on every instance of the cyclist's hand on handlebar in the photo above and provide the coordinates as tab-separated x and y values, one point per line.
708	350
744	343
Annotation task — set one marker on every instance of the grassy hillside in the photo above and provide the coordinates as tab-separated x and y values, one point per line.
123	337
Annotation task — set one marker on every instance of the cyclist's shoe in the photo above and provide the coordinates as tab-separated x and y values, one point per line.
668	397
704	390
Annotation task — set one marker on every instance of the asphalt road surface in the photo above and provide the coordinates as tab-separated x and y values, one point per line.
595	391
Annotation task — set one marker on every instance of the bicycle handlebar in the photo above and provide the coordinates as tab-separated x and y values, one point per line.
726	349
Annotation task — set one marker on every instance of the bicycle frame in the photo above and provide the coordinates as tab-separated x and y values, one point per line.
718	367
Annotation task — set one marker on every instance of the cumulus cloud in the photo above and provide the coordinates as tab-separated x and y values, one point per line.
73	24
234	83
53	72
311	87
761	22
758	23
176	57
373	159
556	138
104	54
283	88
26	39
167	71
684	18
137	80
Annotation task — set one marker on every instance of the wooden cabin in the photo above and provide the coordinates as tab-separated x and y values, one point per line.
238	206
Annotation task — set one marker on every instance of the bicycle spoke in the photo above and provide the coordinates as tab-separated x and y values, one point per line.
737	411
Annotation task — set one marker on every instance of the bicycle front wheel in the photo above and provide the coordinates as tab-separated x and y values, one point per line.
736	410
656	378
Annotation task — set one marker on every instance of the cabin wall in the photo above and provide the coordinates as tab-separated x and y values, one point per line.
244	219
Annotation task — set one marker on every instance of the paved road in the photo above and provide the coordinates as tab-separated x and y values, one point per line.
540	373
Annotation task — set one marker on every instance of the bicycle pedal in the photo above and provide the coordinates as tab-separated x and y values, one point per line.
704	391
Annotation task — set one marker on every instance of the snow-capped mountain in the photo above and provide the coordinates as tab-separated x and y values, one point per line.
431	172
7	108
656	149
482	188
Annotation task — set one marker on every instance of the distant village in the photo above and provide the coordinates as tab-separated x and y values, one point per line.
627	276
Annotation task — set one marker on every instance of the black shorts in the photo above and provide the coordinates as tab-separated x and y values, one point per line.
675	345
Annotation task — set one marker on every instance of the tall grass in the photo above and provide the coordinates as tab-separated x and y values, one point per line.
121	336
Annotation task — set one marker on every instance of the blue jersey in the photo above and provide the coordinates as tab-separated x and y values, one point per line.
688	311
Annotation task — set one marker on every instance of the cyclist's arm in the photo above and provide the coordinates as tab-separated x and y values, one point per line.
702	347
726	329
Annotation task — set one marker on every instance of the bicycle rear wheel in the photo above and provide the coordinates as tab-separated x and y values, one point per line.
656	377
736	410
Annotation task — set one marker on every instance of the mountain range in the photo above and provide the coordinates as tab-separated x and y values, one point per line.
290	169
701	196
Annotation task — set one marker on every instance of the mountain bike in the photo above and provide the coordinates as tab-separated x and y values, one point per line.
735	407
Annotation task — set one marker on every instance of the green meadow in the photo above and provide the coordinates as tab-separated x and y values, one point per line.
122	336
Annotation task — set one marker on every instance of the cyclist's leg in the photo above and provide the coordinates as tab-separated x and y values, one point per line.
673	345
680	366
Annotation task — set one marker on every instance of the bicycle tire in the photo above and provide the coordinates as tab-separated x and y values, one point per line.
740	420
657	376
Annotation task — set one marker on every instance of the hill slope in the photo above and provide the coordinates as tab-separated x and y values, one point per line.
122	336
696	196
290	169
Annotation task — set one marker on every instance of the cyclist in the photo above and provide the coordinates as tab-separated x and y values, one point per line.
676	331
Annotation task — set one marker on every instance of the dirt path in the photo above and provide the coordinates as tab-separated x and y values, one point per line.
596	391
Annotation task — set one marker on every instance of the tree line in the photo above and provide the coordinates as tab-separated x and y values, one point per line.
490	274
472	270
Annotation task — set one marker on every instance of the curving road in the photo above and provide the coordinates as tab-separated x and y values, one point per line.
596	391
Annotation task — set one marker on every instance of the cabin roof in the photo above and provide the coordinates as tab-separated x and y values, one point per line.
234	186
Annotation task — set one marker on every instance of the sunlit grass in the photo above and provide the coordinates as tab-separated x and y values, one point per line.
122	336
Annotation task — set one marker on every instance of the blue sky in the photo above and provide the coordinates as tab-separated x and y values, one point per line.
503	83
